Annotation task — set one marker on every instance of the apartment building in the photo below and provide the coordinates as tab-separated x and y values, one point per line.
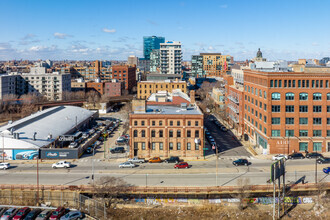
150	43
125	74
146	88
8	85
287	111
164	131
171	57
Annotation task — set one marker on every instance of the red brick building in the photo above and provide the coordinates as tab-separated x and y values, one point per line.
287	111
113	88
126	74
95	86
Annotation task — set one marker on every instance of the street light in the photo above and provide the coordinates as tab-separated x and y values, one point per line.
315	160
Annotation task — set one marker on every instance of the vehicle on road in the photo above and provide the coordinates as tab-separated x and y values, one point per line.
33	214
57	214
280	156
72	215
223	128
136	160
172	159
20	215
127	164
61	164
181	165
118	150
44	215
4	166
322	160
121	141
9	214
326	170
208	133
211	140
296	156
155	160
240	162
89	150
313	155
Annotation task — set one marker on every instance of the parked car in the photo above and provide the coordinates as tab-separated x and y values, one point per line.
155	160
85	135
4	166
9	214
73	215
223	128
121	141
241	162
2	210
136	160
322	160
313	155
33	214
57	214
89	150
211	140
20	215
280	156
181	165
172	159
118	150
73	145
296	156
208	133
61	164
44	215
127	164
326	170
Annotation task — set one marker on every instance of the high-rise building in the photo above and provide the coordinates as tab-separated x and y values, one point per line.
132	60
150	43
197	66
171	57
155	61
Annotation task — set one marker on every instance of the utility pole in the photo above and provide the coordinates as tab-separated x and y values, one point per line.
93	166
216	167
37	181
3	147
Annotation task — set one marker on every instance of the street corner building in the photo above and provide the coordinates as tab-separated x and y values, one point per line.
166	130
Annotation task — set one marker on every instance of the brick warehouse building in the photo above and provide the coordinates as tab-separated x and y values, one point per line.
287	111
126	74
160	130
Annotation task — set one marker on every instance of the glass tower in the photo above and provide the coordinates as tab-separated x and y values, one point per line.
150	43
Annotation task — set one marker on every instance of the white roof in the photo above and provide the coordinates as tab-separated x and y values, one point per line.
55	121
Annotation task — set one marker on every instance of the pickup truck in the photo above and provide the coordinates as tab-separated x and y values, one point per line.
136	160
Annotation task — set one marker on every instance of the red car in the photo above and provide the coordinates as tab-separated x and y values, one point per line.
58	213
22	213
181	165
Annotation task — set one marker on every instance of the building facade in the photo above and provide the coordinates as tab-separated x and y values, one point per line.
146	88
132	60
287	111
113	88
8	86
150	43
155	61
166	131
171	57
197	66
125	74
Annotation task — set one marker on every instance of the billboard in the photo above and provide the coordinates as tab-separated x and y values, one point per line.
277	170
60	153
19	154
7	154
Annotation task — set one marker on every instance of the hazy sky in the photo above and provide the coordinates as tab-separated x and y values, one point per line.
114	29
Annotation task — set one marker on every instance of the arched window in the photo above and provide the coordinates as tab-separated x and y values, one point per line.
276	96
317	96
289	96
135	133
303	96
328	96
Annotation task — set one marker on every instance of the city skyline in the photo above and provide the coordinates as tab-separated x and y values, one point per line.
82	30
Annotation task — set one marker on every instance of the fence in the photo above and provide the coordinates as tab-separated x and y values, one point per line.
93	207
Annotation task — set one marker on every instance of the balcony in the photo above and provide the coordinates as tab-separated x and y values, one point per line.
233	99
233	109
233	118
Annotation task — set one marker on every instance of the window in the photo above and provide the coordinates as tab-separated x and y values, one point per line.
135	133
153	133
289	121
276	108
303	108
196	146
289	108
328	133
303	121
178	146
188	133
271	84
161	146
189	123
188	146
178	123
170	146
196	123
143	145
160	123
303	146
153	123
260	93
317	108
276	121
171	123
196	133
289	96
328	108
153	146
317	146
317	121
160	133
265	131
142	123
317	96
276	96
265	107
303	133
289	133
328	96
265	94
265	118
170	133
135	123
317	133
303	96
143	133
276	133
178	133
280	83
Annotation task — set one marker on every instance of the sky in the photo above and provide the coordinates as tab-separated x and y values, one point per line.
114	29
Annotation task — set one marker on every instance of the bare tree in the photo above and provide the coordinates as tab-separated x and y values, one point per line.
244	192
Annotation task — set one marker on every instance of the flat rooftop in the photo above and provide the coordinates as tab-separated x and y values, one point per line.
171	110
